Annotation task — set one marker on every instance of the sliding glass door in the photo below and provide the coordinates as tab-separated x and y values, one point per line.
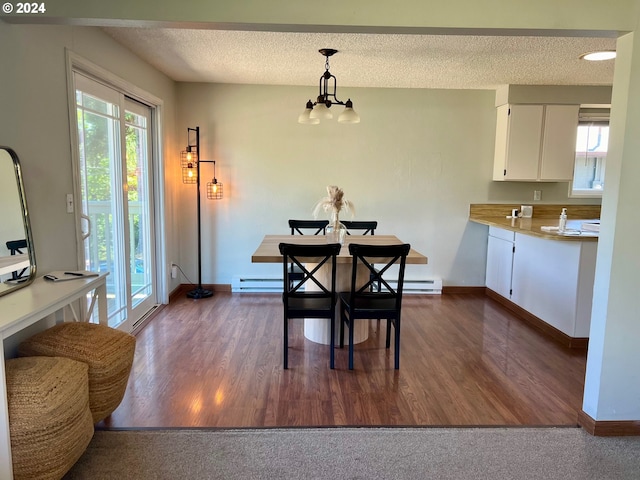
115	177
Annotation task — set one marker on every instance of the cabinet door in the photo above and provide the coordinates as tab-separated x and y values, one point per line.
545	280
499	266
524	142
559	142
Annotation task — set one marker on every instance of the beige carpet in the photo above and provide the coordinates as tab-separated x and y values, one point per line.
359	453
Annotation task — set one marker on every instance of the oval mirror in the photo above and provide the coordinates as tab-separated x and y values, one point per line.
17	256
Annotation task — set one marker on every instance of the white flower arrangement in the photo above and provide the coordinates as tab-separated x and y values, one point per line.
334	202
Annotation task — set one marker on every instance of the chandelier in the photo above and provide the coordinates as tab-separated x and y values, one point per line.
320	109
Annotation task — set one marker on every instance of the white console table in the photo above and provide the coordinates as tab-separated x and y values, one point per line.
29	305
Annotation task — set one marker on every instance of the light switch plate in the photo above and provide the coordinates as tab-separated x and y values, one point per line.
69	202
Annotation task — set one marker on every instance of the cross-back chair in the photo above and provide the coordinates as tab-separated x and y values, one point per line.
308	227
363	303
301	302
361	227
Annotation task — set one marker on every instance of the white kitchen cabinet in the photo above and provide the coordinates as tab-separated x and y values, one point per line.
500	260
535	142
551	279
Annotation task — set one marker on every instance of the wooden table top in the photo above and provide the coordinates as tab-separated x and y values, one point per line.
268	252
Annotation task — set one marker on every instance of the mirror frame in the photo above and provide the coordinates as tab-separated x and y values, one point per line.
25	221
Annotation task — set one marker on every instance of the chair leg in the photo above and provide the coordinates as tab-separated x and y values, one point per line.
332	343
351	343
286	342
397	343
342	320
388	341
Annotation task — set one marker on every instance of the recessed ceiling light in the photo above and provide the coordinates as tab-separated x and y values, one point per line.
597	56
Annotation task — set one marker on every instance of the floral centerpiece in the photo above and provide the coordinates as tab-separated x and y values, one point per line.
334	203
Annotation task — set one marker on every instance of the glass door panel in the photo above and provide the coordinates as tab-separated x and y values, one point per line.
139	203
116	190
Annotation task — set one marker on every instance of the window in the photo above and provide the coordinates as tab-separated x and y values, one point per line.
591	153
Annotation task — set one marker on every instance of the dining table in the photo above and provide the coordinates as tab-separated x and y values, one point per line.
317	329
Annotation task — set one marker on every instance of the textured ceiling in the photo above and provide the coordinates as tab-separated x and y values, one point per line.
368	60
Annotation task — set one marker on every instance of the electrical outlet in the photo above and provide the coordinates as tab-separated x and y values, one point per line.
174	271
537	195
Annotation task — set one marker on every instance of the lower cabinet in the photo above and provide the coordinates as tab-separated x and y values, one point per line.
551	279
500	249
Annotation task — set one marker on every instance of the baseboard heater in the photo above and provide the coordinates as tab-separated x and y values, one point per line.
241	284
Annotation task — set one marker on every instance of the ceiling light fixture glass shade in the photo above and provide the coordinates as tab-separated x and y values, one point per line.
349	115
320	110
598	56
305	117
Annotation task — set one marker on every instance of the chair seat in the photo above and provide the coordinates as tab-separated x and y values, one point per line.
372	306
310	306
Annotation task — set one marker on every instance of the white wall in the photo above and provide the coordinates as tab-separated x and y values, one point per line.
34	121
414	164
612	383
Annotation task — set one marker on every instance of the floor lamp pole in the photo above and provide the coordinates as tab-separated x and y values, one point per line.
199	292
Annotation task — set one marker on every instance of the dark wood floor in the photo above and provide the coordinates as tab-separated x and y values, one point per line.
465	360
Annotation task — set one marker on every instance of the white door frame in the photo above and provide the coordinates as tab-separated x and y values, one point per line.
77	63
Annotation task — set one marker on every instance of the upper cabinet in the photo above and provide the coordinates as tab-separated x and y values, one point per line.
535	142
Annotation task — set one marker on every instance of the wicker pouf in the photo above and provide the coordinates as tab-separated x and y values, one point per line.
108	352
50	423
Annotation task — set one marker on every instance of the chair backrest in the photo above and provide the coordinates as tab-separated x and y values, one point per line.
384	257
363	227
301	255
16	245
308	227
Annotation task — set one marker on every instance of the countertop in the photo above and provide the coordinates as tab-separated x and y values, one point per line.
532	226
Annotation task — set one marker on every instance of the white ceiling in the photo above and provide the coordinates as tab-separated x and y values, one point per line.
368	60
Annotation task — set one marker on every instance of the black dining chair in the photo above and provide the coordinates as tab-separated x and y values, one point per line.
361	227
303	303
305	227
363	303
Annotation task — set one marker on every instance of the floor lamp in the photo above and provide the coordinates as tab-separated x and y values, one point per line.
190	161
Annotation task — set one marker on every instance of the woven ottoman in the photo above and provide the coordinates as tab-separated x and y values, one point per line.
50	424
108	352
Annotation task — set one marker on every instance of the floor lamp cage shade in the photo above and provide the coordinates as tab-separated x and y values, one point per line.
214	189
188	161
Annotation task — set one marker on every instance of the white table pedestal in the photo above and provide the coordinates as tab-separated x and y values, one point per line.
318	329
